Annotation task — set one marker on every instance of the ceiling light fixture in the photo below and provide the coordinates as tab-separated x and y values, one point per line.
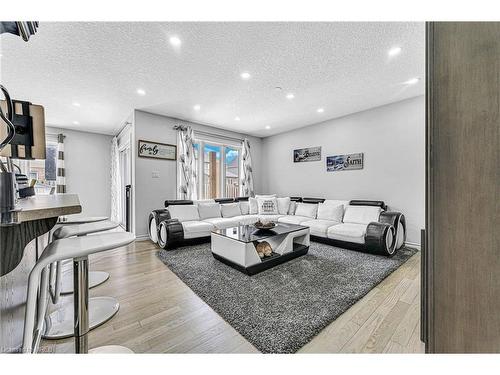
141	92
268	127
394	51
290	96
320	110
175	41
197	107
245	75
412	81
76	123
76	104
236	118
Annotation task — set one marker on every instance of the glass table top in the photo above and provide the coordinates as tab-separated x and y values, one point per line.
248	233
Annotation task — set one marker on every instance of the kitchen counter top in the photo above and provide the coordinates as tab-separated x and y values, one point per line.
46	206
33	217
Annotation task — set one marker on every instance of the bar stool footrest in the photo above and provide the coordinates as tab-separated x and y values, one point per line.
59	324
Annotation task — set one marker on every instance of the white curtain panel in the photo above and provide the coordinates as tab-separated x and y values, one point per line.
246	170
186	168
61	171
116	182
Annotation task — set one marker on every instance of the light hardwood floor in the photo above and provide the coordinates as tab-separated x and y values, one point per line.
160	314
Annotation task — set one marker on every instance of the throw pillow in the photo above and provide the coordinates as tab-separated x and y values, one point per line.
283	205
266	196
307	209
209	210
331	212
268	206
230	209
254	206
291	209
245	207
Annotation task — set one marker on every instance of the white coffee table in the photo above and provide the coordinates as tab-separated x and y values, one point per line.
236	246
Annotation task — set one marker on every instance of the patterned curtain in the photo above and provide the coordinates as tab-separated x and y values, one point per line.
61	172
116	182
186	167
246	170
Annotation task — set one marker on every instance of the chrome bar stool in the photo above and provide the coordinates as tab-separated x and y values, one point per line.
78	249
59	323
63	283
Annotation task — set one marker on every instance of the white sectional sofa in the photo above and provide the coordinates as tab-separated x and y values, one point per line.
357	225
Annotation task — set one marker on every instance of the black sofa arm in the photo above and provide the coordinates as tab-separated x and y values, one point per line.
154	220
170	233
398	221
380	238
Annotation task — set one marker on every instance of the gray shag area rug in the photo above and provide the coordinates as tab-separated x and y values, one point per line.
283	308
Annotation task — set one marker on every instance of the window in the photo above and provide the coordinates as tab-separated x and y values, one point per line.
219	164
43	171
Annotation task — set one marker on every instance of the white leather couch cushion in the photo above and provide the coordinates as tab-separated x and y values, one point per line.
267	206
361	214
209	210
246	219
203	201
330	211
283	205
348	232
337	202
293	219
269	217
223	222
254	206
184	212
245	207
230	209
196	229
307	209
319	227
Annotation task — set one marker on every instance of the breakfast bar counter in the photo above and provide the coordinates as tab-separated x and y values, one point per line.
20	242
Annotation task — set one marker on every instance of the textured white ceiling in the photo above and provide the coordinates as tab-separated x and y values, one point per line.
341	67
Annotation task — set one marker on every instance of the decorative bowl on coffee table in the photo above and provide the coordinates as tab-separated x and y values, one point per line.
264	226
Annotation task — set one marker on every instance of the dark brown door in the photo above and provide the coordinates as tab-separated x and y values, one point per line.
462	267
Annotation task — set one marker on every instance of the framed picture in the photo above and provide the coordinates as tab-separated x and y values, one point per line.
344	162
307	154
156	150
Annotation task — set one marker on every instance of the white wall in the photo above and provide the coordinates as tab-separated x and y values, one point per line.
150	193
87	159
392	139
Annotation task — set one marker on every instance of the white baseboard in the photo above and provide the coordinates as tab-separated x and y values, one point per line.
142	237
413	244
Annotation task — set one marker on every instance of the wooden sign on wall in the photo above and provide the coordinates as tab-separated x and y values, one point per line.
156	150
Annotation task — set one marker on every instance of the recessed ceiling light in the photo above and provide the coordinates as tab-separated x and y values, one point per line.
412	81
320	110
268	127
175	41
245	76
290	96
236	118
197	107
76	104
141	92
394	51
76	123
